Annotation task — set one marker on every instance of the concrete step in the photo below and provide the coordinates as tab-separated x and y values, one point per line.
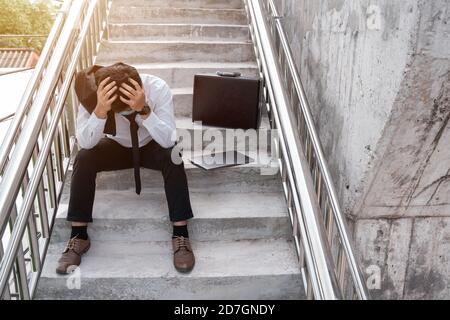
181	75
182	101
139	52
186	123
190	133
260	176
125	216
255	269
205	4
152	31
140	14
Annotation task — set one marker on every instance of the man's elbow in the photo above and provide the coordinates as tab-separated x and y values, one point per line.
167	144
167	139
83	144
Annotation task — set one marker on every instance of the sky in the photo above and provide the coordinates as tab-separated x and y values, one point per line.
12	87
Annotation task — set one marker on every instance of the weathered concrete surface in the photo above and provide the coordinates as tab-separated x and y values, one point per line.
224	216
181	75
173	31
384	243
134	52
429	267
250	269
140	14
377	77
352	74
205	4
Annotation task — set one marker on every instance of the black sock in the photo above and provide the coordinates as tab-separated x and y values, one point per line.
180	231
79	232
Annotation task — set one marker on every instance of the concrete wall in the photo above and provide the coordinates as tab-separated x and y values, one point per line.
377	76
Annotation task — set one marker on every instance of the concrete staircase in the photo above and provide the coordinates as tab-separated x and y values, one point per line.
241	232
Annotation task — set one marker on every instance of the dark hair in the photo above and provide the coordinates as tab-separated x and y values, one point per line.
119	72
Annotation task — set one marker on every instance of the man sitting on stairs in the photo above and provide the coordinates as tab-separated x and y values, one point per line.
126	121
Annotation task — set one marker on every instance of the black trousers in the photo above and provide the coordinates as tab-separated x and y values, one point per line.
108	155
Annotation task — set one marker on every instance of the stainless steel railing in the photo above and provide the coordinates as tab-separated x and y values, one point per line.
35	155
326	255
33	85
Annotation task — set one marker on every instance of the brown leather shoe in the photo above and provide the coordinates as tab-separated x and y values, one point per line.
183	256
71	257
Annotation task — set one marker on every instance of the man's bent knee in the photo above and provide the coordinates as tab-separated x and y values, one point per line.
85	159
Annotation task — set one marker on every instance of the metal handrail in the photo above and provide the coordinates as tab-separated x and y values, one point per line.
32	184
7	117
33	85
323	170
313	208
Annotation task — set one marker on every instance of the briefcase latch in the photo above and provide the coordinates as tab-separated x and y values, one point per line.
228	74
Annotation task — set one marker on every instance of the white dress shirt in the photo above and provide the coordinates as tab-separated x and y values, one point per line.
160	125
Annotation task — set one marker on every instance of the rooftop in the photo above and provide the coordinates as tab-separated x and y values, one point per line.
12	59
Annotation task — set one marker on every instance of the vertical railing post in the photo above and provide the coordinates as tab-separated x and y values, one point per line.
42	152
318	256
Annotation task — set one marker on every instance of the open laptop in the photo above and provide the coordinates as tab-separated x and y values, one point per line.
220	160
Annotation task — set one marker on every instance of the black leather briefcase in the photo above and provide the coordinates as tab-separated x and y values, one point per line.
227	100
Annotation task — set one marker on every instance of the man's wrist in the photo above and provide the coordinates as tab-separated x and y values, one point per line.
145	116
100	114
145	111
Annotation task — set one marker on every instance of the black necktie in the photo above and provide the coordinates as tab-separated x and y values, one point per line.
135	147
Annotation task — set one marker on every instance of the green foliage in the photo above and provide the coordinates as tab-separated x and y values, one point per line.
25	18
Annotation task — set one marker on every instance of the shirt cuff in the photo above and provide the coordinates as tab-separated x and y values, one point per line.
95	122
151	121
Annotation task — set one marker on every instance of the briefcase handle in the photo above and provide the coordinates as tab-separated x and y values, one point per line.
228	74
